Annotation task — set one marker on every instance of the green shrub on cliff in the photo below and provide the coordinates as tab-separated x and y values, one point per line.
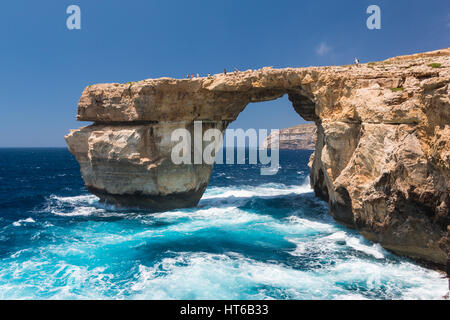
435	65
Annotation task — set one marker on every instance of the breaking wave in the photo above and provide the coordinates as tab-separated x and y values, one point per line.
265	190
255	239
233	276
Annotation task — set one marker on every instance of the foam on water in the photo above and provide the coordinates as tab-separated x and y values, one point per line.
233	276
58	270
266	190
83	205
23	221
268	240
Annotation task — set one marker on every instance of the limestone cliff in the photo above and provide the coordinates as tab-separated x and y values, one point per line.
300	137
382	153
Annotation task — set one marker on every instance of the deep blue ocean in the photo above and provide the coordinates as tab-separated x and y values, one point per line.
251	237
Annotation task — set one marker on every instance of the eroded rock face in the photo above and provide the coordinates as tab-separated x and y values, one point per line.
381	160
300	137
130	165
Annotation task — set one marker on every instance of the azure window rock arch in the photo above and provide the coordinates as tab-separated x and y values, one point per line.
379	158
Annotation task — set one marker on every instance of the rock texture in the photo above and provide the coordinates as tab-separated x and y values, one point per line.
300	137
382	154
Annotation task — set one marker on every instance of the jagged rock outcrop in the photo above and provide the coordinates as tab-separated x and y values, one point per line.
381	157
299	137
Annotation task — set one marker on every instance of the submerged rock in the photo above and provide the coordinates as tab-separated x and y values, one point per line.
382	153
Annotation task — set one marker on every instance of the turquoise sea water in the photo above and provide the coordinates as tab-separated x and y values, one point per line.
251	237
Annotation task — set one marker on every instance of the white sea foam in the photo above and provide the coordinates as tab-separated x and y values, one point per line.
188	222
299	223
404	279
358	243
78	211
232	276
375	249
221	277
63	281
354	273
301	247
214	197
76	200
201	275
18	253
23	221
211	215
265	190
351	296
335	242
83	205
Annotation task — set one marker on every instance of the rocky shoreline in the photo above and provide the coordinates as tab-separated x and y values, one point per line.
382	153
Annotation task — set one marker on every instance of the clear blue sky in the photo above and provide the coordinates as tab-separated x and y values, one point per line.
44	66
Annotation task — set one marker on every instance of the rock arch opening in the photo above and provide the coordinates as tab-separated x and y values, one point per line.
268	121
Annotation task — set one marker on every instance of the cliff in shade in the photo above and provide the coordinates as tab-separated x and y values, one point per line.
300	137
382	153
